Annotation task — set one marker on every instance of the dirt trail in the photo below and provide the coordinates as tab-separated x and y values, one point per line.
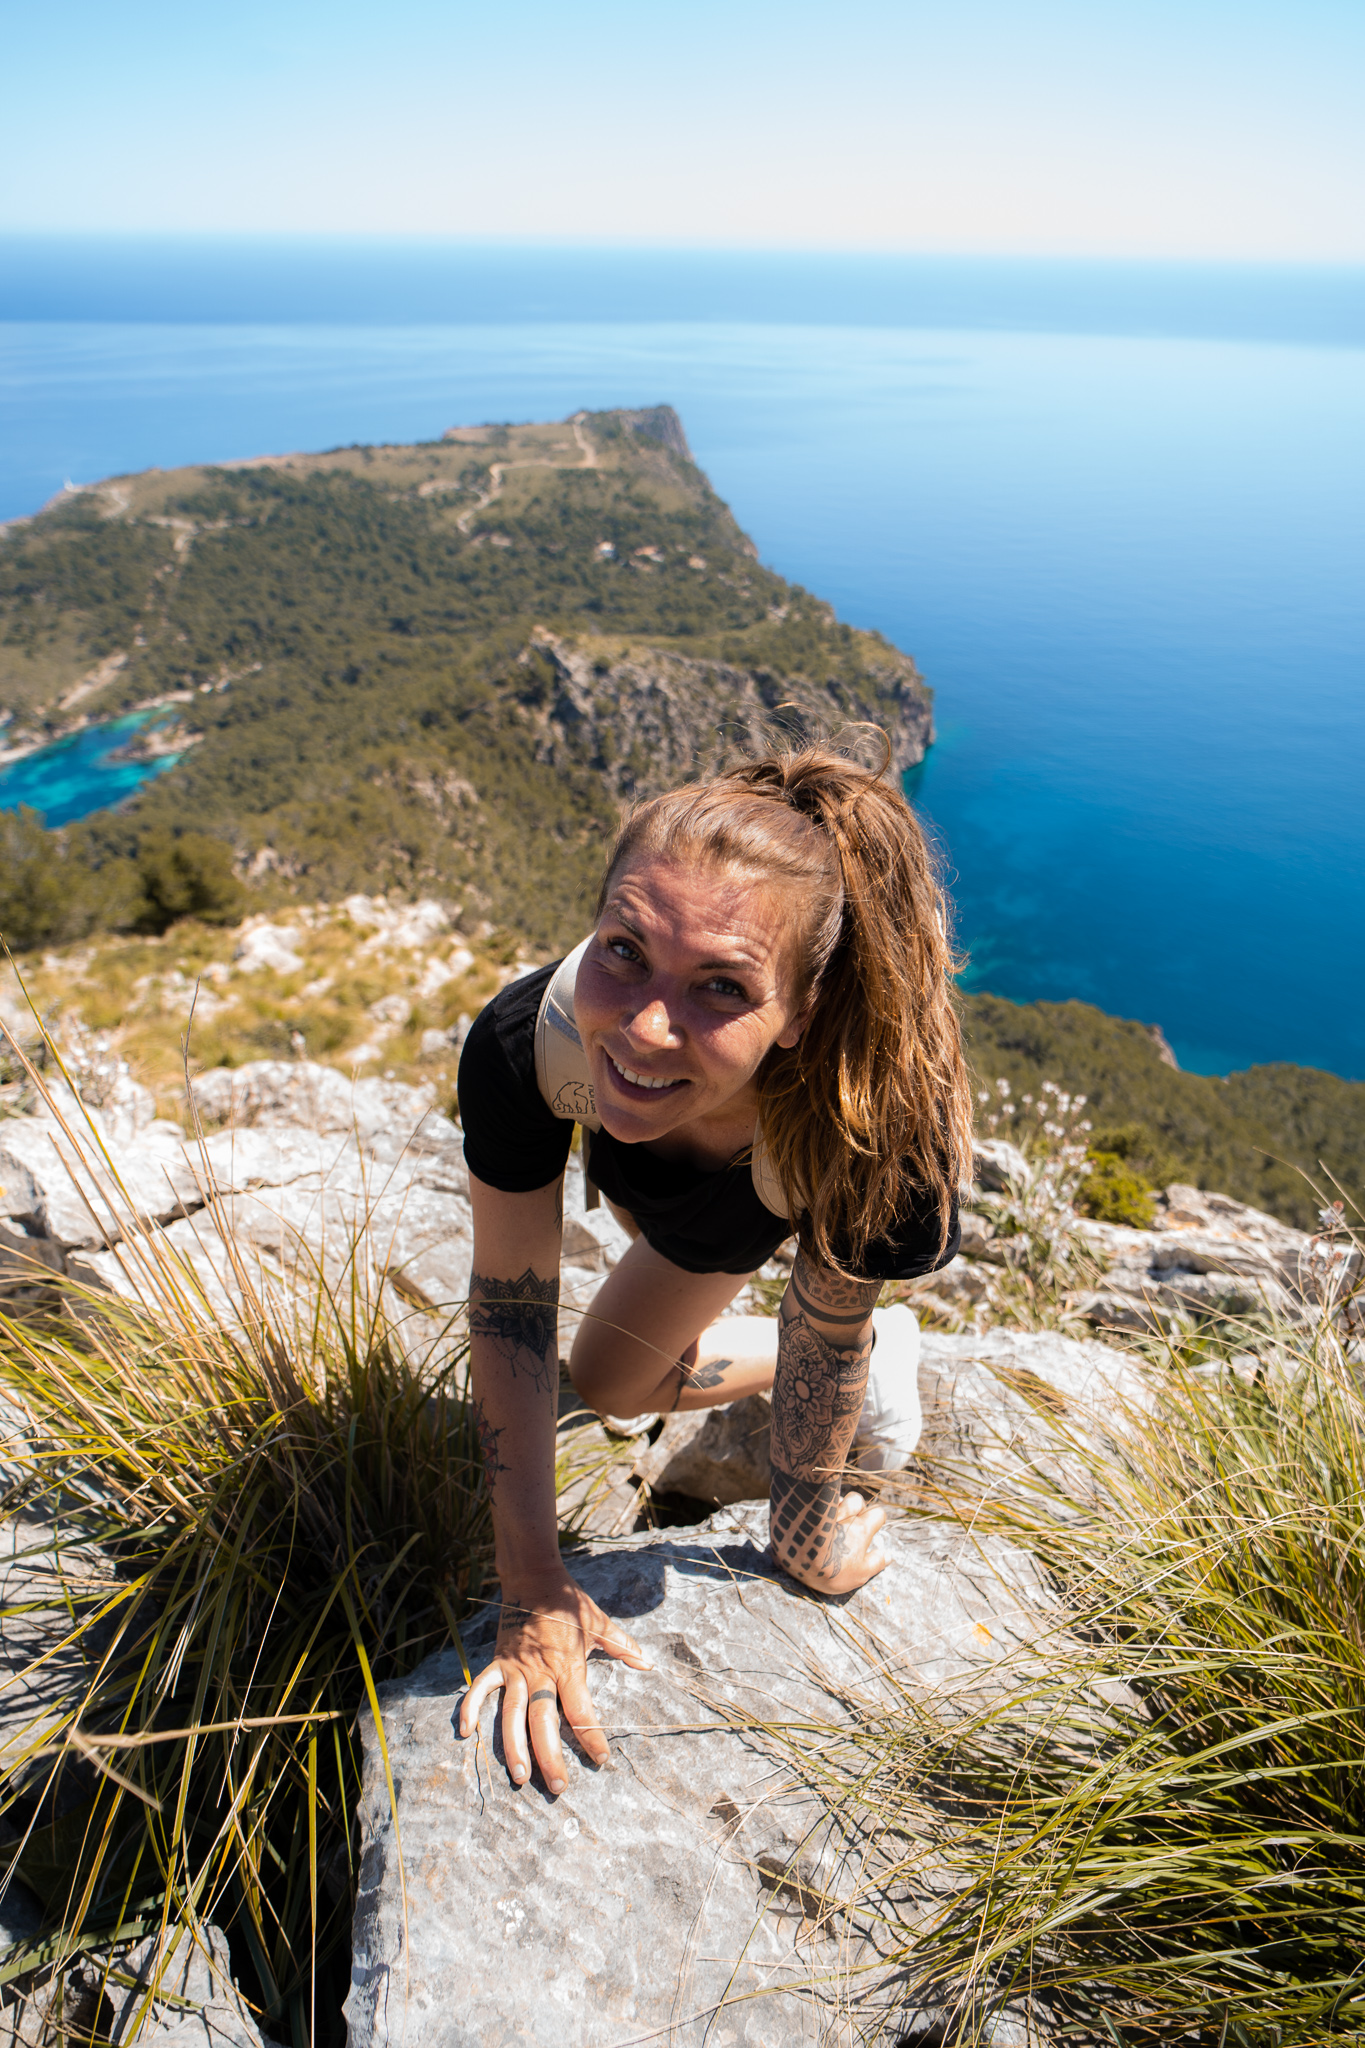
498	470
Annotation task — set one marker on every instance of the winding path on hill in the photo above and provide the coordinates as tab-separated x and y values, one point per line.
498	470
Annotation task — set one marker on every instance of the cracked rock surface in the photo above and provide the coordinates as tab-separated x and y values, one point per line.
668	1893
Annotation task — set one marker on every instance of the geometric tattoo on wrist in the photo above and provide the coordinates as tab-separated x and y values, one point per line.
520	1318
802	1530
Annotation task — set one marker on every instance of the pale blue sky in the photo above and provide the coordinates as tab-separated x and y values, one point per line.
1126	127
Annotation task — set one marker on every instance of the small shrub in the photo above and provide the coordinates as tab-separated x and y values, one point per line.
189	875
1112	1192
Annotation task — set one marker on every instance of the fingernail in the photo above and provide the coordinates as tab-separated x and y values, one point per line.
556	1785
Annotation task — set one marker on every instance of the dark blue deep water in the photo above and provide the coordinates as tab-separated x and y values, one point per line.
1116	512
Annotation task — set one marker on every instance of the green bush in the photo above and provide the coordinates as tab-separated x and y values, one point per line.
186	876
1113	1193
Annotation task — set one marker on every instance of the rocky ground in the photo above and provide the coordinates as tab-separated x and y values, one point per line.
687	1876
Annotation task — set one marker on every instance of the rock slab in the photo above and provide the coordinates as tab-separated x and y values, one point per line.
664	1896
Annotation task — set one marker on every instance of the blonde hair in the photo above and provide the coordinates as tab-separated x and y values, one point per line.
870	1114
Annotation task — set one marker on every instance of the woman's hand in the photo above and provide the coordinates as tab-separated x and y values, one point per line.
540	1662
854	1554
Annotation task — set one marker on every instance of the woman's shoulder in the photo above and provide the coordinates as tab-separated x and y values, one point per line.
507	1025
511	1138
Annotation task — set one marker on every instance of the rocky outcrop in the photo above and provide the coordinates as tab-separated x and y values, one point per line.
1206	1256
687	1890
692	1886
304	1170
651	718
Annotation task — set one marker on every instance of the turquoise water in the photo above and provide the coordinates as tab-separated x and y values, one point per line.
75	776
1118	517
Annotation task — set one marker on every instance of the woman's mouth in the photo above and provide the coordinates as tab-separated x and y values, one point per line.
644	1084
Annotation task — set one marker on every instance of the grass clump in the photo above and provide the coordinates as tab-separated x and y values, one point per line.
1153	1830
257	1528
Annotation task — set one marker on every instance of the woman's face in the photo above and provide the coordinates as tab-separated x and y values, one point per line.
685	986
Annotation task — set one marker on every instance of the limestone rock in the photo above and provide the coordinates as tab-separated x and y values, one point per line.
1207	1255
720	1455
268	946
657	717
66	1189
1005	1399
666	1894
995	1163
182	1996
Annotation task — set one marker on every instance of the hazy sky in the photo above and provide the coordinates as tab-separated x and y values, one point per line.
1142	127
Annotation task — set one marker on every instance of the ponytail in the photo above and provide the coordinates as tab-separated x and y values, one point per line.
869	1115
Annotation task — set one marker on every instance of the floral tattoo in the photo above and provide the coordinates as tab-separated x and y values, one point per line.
519	1316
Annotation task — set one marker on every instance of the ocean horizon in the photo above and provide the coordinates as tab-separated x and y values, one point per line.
1116	512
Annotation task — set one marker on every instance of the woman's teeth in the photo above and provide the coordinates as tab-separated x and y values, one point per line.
640	1080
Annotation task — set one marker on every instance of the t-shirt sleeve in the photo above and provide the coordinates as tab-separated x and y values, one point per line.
912	1248
511	1140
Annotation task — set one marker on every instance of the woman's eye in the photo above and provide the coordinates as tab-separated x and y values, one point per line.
623	949
721	985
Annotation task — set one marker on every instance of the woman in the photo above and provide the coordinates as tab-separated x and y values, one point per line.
769	967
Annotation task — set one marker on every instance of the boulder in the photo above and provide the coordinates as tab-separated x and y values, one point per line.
1207	1255
62	1186
1004	1403
720	1455
688	1890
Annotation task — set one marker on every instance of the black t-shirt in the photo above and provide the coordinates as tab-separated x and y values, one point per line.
706	1220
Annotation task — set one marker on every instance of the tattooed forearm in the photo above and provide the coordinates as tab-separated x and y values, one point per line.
488	1446
519	1316
806	1540
818	1395
824	1342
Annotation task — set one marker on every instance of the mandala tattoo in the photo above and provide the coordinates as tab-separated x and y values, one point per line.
802	1529
488	1445
830	1297
520	1318
817	1397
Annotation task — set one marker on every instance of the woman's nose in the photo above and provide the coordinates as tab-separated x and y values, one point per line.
650	1026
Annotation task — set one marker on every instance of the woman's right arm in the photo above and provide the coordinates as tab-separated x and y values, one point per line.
548	1623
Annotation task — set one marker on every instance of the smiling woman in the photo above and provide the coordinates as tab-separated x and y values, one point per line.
769	977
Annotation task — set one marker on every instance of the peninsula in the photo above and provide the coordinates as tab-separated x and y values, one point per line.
439	667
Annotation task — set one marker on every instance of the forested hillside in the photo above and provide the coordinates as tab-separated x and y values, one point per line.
1267	1136
436	667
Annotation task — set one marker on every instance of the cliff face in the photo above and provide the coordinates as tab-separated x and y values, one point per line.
653	718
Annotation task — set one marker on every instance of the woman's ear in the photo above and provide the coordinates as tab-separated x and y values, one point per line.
792	1034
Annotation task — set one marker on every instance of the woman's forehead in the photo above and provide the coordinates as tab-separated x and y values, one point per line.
703	899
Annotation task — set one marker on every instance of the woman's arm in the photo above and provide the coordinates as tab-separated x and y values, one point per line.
824	1341
548	1624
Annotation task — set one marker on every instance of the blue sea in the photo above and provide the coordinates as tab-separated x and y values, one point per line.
1116	512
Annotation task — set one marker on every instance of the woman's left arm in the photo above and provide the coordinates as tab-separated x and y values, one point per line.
824	1342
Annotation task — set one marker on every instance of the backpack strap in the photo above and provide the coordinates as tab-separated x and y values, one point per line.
566	1085
561	1063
